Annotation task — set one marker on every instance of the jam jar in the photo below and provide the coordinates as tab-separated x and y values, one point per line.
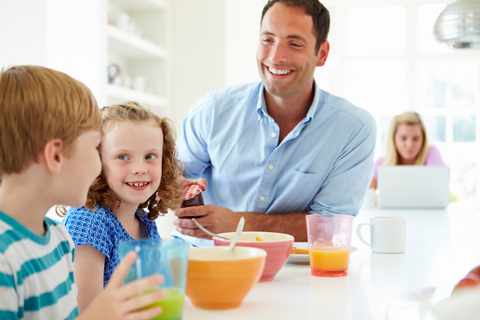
192	196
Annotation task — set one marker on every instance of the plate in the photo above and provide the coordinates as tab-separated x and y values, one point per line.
305	258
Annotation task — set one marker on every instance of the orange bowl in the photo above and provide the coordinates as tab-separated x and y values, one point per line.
216	283
278	247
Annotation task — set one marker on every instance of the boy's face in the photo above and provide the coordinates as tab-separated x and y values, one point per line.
132	160
82	168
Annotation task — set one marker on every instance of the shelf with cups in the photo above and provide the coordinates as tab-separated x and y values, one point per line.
137	53
141	4
123	94
132	46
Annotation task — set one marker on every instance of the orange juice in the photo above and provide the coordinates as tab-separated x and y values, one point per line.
329	261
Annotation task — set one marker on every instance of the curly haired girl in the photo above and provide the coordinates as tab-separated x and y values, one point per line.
139	170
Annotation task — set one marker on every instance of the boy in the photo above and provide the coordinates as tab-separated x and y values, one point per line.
49	134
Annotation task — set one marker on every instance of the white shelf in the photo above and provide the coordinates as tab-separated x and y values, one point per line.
132	46
127	94
141	5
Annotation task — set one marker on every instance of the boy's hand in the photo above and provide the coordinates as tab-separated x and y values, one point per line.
118	301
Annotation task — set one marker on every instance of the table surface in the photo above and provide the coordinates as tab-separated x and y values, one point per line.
442	246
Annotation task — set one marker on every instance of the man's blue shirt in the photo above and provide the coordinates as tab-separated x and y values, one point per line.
324	165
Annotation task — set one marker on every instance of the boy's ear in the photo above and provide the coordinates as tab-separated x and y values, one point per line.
52	155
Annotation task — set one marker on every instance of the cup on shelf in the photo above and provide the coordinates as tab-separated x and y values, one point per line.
110	17
122	20
329	238
387	234
149	89
114	74
139	83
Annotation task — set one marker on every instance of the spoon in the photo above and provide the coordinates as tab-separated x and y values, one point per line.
238	232
208	232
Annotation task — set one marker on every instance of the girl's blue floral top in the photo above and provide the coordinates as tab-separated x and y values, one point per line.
101	229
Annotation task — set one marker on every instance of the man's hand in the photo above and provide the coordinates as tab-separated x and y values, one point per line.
183	182
213	218
120	301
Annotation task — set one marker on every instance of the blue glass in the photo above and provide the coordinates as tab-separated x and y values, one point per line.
166	257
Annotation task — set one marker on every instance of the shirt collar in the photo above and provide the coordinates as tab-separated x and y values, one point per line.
262	105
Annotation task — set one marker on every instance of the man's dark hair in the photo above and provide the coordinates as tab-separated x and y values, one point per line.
315	9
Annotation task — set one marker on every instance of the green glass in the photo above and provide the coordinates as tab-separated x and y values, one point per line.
168	258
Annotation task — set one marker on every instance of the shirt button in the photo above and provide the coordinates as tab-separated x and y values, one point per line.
262	198
270	167
273	135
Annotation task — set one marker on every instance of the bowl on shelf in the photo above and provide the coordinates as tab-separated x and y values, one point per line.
216	283
277	245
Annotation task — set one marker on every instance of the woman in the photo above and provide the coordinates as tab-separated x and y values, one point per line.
407	144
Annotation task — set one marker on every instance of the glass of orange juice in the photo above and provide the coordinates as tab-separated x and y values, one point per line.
168	258
329	237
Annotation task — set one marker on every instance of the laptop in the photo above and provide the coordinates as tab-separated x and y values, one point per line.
422	187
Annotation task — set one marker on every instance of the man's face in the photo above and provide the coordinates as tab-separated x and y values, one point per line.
286	54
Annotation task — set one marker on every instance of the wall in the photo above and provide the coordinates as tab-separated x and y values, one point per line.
197	51
242	30
58	34
197	55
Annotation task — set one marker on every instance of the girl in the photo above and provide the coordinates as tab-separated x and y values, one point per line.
139	170
407	144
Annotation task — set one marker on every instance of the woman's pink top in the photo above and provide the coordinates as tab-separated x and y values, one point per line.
433	159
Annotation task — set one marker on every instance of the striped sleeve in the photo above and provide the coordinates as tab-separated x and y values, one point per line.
8	293
36	272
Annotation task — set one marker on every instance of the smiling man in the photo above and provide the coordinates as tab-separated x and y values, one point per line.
283	148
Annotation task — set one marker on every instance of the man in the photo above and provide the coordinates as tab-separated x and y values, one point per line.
283	148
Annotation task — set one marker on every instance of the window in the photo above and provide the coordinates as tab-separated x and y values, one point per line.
386	60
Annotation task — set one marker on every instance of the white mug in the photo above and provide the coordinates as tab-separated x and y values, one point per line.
387	234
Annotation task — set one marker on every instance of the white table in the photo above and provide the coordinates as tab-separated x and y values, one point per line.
442	246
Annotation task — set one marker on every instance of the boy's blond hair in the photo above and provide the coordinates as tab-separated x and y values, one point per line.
37	105
169	192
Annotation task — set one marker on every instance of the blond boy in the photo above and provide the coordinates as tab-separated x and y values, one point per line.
49	134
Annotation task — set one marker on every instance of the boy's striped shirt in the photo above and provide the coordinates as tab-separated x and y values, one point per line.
36	272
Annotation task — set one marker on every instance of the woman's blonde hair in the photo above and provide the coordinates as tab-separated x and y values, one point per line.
169	190
393	158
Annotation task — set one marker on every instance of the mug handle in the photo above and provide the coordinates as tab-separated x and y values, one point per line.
359	232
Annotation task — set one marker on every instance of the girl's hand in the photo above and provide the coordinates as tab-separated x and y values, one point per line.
183	182
119	301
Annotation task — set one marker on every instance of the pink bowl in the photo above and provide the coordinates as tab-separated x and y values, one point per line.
278	247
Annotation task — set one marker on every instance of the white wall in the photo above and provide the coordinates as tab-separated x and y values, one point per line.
23	36
197	55
58	34
242	30
197	51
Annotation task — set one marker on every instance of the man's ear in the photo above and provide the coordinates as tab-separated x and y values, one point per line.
52	155
323	53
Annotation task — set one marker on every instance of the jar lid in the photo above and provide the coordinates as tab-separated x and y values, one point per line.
191	191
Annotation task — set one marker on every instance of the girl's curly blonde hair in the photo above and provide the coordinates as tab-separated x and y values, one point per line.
169	190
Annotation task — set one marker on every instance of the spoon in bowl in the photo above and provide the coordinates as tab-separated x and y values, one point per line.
208	232
238	232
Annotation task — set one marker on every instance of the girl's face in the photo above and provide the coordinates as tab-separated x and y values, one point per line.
132	160
409	141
